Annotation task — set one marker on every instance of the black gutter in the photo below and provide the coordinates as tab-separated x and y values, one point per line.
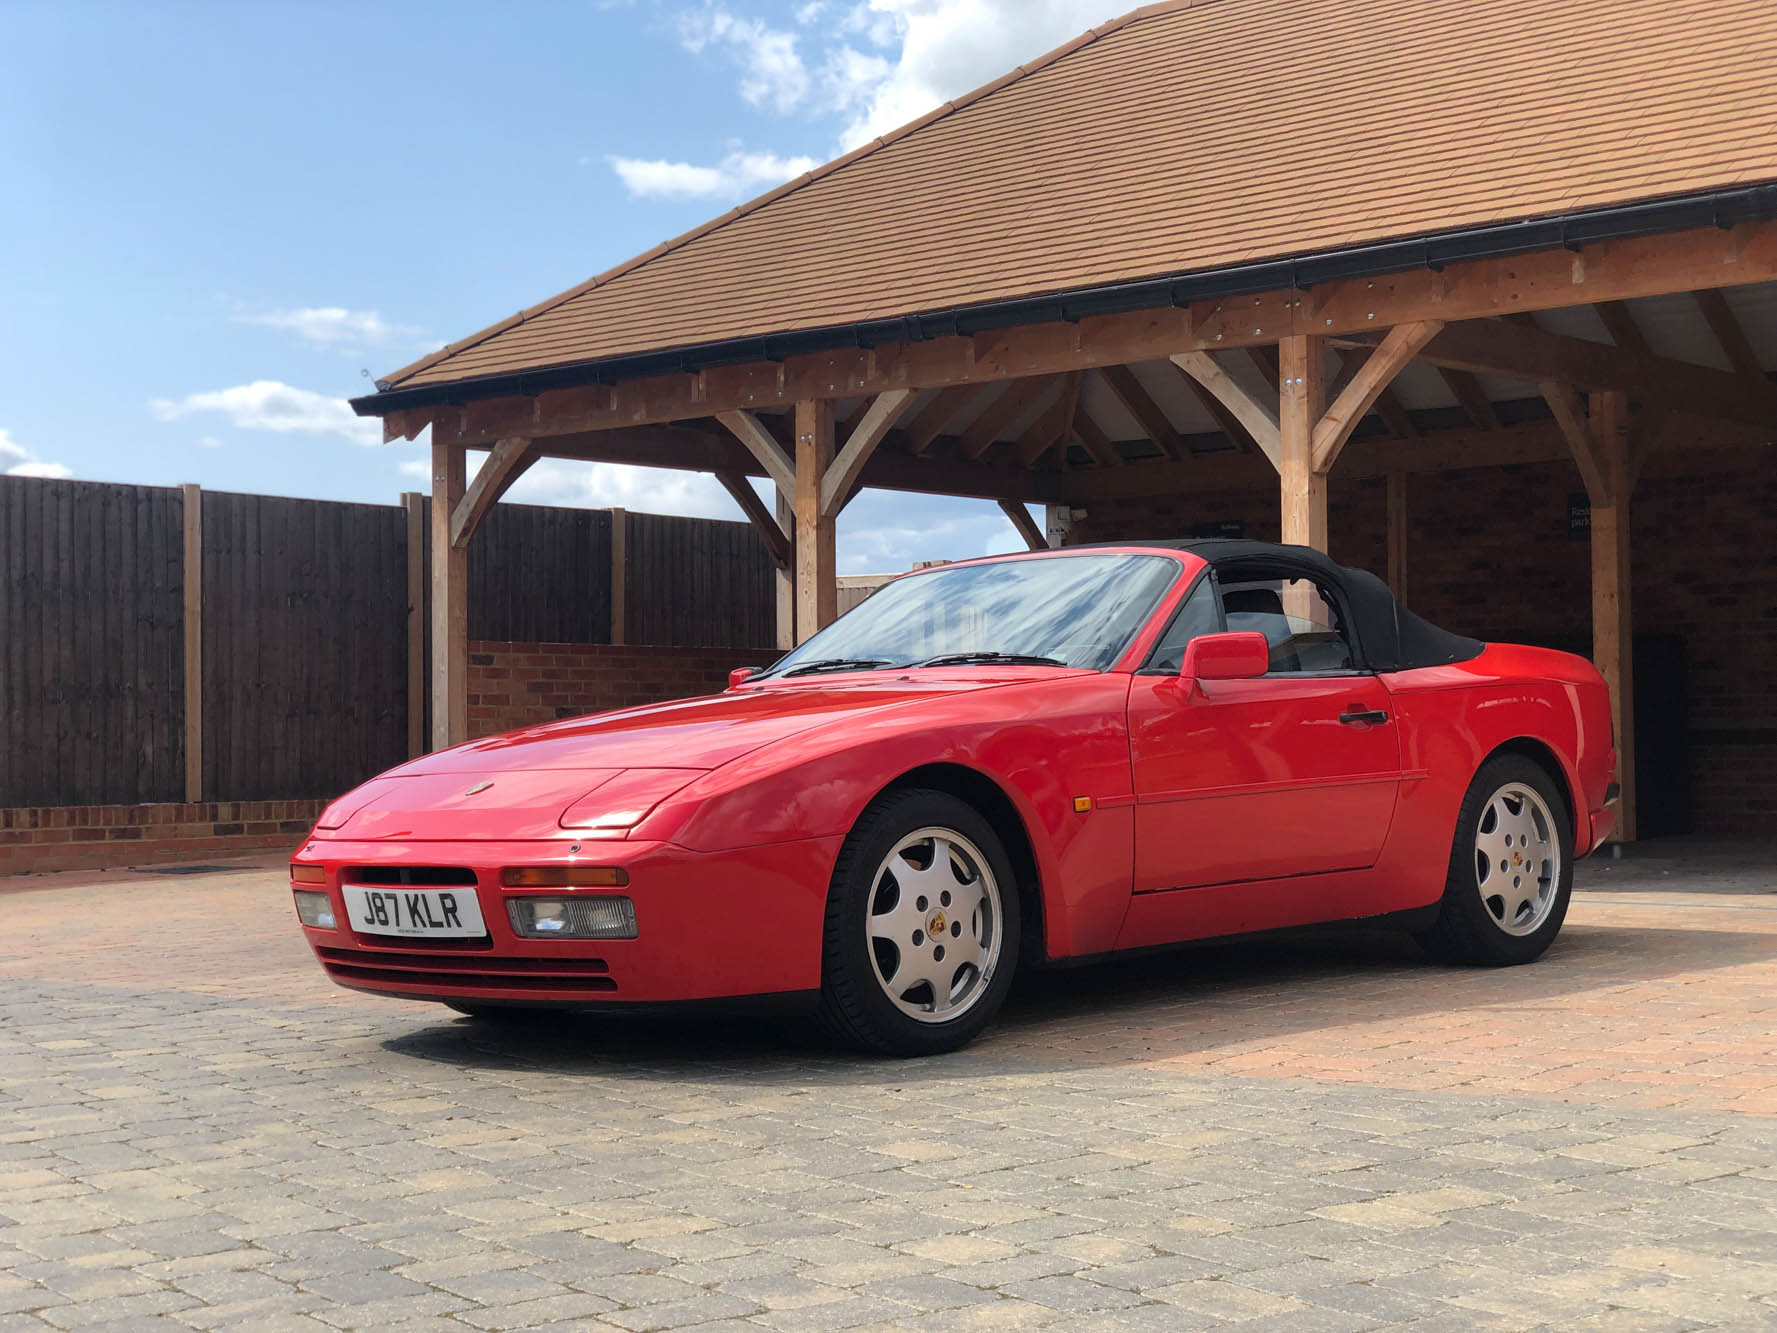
1719	208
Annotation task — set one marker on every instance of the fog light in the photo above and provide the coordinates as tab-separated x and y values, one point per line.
598	918
315	909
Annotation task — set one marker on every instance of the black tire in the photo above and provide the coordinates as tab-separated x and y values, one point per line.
855	1008
1467	930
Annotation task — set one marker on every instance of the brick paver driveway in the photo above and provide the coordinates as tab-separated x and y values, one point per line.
197	1130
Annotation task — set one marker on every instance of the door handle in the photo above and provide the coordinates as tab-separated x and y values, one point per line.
1369	718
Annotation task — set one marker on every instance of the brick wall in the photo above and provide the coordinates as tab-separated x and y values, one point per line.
98	837
1488	554
521	684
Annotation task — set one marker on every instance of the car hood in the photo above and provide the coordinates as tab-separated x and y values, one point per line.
520	785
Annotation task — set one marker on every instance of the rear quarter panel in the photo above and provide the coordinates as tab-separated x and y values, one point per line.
1453	717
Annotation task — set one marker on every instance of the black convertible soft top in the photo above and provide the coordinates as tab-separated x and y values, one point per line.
1389	637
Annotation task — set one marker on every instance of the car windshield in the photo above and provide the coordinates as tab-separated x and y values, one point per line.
1075	611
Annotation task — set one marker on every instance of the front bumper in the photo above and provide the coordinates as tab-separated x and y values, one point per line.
709	926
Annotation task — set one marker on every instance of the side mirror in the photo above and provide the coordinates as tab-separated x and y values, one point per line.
740	675
1238	656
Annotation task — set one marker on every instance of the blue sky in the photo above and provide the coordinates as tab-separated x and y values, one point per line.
219	218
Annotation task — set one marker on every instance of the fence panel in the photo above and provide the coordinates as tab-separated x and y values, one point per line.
91	649
699	582
541	575
305	645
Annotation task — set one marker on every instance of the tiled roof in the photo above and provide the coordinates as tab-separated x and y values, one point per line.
1198	134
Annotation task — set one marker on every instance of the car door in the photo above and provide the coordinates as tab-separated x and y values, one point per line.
1292	773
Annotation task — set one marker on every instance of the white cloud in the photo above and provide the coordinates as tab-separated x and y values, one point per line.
209	442
332	326
274	406
736	176
772	72
18	461
933	50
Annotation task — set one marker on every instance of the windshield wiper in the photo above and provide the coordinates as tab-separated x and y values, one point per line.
990	659
835	664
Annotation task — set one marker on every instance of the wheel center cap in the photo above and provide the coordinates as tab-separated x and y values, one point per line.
1517	858
937	925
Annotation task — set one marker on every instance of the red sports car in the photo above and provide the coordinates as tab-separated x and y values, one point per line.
1000	763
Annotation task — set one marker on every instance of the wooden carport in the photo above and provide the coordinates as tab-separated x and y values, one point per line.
1288	363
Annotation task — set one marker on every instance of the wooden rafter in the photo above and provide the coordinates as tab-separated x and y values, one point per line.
1621	325
929	422
771	533
873	427
1471	397
505	464
1026	525
1093	439
1517	352
1569	406
1257	415
1141	405
1054	425
981	433
1729	332
1226	422
763	445
1621	269
1353	402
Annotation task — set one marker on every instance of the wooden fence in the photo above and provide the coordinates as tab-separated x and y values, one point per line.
303	621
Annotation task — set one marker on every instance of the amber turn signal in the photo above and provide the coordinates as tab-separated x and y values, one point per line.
564	877
307	874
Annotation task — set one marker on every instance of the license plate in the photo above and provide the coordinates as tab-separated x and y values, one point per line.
427	913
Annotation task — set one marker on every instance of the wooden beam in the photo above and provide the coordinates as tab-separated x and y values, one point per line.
1026	525
1264	361
762	444
192	500
771	534
1351	406
413	505
505	465
1141	405
929	422
785	510
817	573
1613	620
1397	535
450	602
1093	439
980	434
1621	325
1258	417
1729	332
1226	422
1303	366
1389	406
872	428
619	575
1610	270
1471	397
1569	408
1517	352
1053	426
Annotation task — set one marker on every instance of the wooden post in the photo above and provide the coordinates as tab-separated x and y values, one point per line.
817	587
450	601
619	576
1397	534
1613	620
193	498
1302	401
415	506
786	578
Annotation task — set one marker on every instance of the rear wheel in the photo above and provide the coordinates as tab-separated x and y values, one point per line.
922	927
1511	869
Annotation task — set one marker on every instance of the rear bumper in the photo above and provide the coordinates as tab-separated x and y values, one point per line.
709	926
1604	821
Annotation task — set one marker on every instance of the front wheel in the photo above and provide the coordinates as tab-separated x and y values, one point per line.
1511	869
922	927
